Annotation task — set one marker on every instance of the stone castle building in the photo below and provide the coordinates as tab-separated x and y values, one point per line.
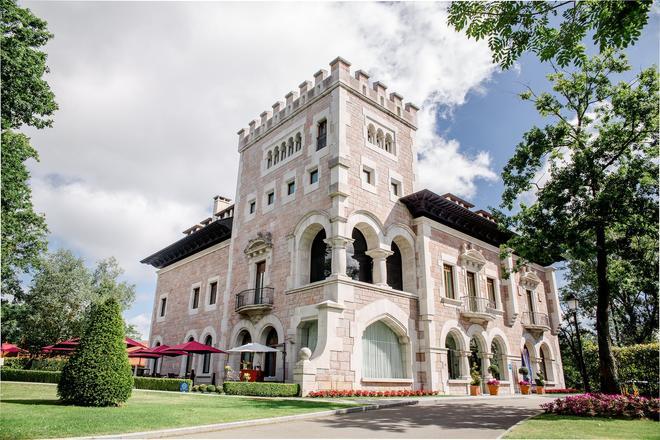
331	253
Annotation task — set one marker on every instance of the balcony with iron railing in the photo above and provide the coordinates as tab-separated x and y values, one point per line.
477	309
257	300
535	322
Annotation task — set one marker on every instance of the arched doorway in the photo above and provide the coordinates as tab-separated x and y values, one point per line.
189	358
475	355
453	357
206	360
394	269
359	265
247	359
157	363
499	359
270	359
320	262
527	362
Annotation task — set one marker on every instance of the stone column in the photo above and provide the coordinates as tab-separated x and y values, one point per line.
485	363
303	373
465	364
380	265
338	244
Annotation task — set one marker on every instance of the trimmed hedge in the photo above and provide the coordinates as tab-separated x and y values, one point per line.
160	384
267	389
41	364
12	374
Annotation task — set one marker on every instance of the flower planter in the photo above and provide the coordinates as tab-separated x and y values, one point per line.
494	390
475	390
540	390
525	389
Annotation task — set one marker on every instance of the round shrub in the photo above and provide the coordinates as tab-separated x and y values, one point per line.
210	388
98	373
202	388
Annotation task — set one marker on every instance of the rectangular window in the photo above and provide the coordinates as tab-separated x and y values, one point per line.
449	282
395	188
322	135
291	187
490	284
271	197
214	293
195	303
253	207
163	306
366	175
471	284
313	176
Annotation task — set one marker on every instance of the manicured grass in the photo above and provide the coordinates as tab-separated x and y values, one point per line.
33	411
555	426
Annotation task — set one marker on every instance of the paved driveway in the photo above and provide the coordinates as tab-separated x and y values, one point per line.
451	418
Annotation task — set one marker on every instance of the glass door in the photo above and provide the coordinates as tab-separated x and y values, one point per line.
259	282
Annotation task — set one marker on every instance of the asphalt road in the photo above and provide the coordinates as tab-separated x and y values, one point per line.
451	418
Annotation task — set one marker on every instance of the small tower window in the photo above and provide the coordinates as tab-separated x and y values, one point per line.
380	139
388	143
298	142
276	156
271	197
313	176
253	206
291	187
371	134
290	145
321	138
283	151
269	161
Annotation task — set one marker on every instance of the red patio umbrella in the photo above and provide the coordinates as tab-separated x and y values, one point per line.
130	343
196	347
156	352
69	346
10	349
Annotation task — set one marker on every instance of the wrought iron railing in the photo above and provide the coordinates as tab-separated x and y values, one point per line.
253	297
535	318
477	304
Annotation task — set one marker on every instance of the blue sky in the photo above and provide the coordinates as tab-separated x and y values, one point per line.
151	96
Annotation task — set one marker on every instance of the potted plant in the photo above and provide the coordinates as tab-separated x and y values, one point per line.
540	383
525	384
494	371
475	384
493	387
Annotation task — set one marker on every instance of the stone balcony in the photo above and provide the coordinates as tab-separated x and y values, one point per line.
478	310
535	322
255	302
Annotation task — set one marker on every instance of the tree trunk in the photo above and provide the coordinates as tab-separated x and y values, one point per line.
609	382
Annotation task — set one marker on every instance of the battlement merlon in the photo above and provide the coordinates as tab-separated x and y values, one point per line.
323	80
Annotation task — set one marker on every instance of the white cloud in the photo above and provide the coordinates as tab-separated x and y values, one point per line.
142	322
151	96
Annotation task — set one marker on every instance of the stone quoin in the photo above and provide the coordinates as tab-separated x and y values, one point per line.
331	253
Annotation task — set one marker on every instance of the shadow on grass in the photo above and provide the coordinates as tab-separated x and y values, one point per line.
52	402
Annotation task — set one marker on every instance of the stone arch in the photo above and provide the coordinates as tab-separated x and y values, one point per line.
452	325
404	239
500	358
371	134
529	346
264	326
290	145
369	226
208	331
547	361
156	364
395	318
304	234
190	335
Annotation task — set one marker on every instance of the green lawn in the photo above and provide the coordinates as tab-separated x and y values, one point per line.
32	411
555	426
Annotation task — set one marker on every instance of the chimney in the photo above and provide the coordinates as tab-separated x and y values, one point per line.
220	203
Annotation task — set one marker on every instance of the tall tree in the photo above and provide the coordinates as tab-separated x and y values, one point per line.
594	169
26	100
552	30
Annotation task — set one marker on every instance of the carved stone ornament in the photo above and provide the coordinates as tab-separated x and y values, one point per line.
472	258
262	243
529	280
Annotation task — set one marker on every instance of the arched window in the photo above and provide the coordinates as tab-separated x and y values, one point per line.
359	265
270	360
453	358
498	359
382	354
371	134
206	361
276	156
298	142
394	269
290	145
320	262
283	151
269	162
388	143
380	138
475	355
544	364
189	358
246	358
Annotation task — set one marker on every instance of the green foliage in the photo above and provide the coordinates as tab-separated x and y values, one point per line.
10	374
160	384
210	388
267	389
524	371
98	373
514	27
26	100
202	388
476	377
44	364
540	379
494	370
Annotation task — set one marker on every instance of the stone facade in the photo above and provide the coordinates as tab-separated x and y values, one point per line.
349	161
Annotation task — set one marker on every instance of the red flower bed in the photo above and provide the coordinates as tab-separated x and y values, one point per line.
368	393
561	391
605	405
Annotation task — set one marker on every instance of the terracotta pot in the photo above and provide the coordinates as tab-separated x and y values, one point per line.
540	390
525	389
494	390
475	390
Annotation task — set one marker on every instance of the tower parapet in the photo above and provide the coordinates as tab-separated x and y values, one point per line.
309	91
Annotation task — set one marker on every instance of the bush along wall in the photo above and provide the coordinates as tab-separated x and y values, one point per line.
160	384
98	373
42	364
261	389
11	374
